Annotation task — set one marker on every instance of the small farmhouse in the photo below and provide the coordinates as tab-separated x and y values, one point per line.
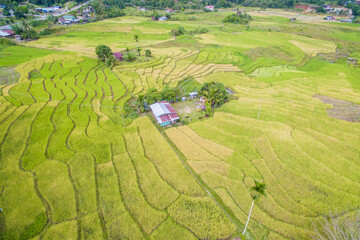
118	56
4	34
193	95
69	18
164	113
210	7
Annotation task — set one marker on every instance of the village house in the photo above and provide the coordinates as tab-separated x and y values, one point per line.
68	19
210	7
48	9
193	95
118	56
341	11
4	34
331	18
9	31
164	113
169	10
162	19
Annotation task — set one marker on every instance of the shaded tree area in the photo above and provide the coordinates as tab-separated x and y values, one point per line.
140	104
25	30
237	18
108	8
215	93
105	54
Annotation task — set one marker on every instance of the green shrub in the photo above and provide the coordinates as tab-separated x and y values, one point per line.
178	31
7	42
237	18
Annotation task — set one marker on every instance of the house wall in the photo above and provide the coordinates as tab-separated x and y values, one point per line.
165	123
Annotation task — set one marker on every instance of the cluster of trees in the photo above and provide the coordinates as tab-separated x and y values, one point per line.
153	96
238	18
105	54
25	30
215	93
180	30
108	8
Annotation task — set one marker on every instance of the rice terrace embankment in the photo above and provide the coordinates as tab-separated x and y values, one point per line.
75	165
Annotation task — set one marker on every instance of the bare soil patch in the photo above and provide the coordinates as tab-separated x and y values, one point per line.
342	109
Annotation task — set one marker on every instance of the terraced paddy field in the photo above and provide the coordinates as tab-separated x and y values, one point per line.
73	166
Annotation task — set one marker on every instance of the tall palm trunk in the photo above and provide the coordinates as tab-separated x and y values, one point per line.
252	204
138	48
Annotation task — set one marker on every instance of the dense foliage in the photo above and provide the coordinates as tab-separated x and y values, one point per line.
167	94
180	30
108	8
105	54
237	18
215	93
151	96
25	30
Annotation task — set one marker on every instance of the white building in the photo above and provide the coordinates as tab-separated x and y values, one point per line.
164	113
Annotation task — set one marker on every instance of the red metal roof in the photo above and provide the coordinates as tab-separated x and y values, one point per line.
118	54
170	108
165	118
173	115
9	31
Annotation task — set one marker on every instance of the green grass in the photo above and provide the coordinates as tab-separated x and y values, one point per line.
14	55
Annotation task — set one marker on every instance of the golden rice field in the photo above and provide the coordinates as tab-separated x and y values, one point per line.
73	166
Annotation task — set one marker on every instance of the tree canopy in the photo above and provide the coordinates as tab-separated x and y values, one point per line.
103	52
215	93
237	18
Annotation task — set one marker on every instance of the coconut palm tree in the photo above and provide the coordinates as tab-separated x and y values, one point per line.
257	191
136	38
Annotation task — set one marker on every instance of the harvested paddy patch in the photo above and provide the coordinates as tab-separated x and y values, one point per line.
342	109
8	76
314	47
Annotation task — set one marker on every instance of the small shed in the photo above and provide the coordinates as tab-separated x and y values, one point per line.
183	99
118	56
210	7
162	18
193	95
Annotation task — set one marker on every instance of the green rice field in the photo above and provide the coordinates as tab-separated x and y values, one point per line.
73	166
